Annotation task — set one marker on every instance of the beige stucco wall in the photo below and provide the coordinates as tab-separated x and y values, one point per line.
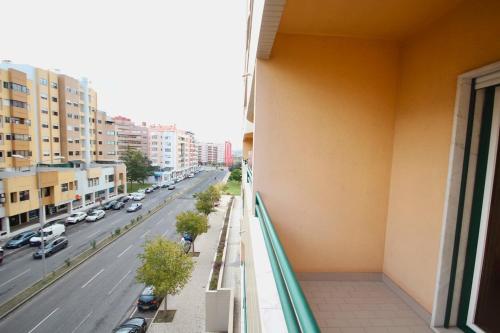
465	39
322	148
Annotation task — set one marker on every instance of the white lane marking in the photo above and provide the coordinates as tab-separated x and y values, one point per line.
128	248
116	285
144	234
95	233
15	277
81	323
92	278
44	319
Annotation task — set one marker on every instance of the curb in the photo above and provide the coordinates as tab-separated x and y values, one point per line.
111	239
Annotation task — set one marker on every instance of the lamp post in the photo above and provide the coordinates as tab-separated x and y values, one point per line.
41	210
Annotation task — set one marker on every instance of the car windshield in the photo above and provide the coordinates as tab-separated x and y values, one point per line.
17	237
73	215
134	321
93	213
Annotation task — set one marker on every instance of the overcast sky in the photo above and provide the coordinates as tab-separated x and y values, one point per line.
169	62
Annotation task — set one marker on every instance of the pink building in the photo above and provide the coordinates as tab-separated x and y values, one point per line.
228	154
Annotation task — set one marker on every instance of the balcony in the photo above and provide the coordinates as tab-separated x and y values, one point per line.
278	299
20	128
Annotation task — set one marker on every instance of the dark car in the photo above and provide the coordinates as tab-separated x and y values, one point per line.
164	185
155	187
20	240
132	325
109	204
148	300
187	237
52	247
118	205
134	207
125	199
1	254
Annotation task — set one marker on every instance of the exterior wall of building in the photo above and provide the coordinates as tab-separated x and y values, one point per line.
161	146
465	39
331	163
106	138
228	154
71	118
130	136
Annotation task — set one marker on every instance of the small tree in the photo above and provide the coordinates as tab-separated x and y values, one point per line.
138	165
204	202
165	267
235	175
192	223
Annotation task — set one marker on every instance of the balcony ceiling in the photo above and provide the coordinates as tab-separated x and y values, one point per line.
382	19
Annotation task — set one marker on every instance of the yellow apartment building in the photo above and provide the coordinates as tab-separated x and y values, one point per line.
48	123
372	183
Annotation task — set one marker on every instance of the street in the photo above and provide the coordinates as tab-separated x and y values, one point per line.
96	296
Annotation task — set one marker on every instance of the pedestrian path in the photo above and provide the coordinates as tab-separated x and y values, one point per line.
190	302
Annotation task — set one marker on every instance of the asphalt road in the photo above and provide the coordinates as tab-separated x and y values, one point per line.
96	296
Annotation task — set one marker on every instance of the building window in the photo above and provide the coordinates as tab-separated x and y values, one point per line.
44	82
24	195
70	153
57	154
46	192
55	126
46	154
45	126
45	111
100	142
53	85
55	113
45	139
100	153
56	139
44	96
13	197
64	187
54	99
77	152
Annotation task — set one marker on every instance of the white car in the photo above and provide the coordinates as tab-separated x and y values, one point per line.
191	175
141	191
138	196
76	217
49	233
95	215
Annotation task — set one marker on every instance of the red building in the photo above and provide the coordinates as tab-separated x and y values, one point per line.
228	154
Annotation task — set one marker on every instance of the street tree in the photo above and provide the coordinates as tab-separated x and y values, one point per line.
191	223
204	202
165	267
138	166
235	175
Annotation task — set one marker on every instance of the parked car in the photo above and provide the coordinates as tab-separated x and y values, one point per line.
187	236
92	210
134	207
96	215
171	187
148	300
155	187
186	245
49	233
118	205
141	191
164	185
20	239
191	175
138	196
1	255
126	198
52	247
132	325
76	217
149	190
109	204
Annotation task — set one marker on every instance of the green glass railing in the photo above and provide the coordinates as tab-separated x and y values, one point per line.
249	175
296	310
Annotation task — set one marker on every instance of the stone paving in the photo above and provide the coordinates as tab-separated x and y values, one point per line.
360	307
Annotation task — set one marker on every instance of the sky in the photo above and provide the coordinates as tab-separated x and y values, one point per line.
164	62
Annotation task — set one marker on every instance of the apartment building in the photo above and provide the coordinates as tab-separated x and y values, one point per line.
214	153
372	182
162	143
49	120
130	136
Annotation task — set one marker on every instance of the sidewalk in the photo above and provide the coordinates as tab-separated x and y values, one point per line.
190	303
232	267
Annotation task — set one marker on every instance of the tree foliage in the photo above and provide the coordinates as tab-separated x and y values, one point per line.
192	223
138	165
165	267
205	201
235	175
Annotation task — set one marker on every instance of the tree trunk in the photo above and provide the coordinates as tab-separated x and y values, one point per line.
192	245
165	303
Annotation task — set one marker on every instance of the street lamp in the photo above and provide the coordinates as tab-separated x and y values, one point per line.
41	210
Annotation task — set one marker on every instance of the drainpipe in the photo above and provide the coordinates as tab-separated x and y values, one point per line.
84	82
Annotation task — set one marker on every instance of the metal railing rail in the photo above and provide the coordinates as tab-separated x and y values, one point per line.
296	310
249	175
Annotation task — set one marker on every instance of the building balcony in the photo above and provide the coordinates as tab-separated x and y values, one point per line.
20	145
20	128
